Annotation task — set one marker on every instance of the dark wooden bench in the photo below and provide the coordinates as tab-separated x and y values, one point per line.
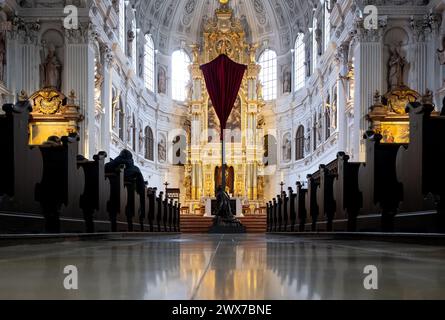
62	185
94	202
378	183
347	196
22	170
300	208
311	199
418	165
325	194
118	200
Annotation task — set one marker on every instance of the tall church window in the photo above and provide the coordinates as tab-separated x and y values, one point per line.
180	74
299	144
268	74
149	63
299	62
149	144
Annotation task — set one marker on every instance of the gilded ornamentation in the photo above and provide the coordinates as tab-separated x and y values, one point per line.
224	34
47	101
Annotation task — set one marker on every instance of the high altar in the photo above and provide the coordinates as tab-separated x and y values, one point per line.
224	34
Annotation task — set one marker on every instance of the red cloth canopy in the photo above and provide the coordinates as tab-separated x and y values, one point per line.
223	79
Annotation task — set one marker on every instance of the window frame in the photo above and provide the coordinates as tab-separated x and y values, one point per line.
149	63
178	79
268	61
299	63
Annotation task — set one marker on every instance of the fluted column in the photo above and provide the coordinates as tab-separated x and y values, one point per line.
22	58
368	58
342	94
79	76
107	126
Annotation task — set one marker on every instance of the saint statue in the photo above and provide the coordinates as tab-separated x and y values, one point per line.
162	81
396	68
51	69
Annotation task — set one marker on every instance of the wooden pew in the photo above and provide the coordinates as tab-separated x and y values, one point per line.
274	215
419	164
133	205
118	200
311	199
173	222
325	194
94	202
300	208
62	185
152	213
285	212
269	216
347	196
170	215
279	221
292	216
165	213
22	169
159	212
178	218
378	183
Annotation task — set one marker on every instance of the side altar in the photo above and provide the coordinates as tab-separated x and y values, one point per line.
224	34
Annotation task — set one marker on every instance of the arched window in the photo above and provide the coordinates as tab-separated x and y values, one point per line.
327	24
314	44
299	144
149	144
299	62
180	74
268	74
149	63
122	24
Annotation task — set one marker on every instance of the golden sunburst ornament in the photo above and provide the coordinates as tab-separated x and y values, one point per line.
224	1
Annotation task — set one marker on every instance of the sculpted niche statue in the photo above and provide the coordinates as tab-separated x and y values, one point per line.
396	68
51	69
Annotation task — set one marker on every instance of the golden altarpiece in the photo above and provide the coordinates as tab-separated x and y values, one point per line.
224	34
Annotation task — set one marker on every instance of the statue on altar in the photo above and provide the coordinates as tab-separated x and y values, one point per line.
396	68
51	69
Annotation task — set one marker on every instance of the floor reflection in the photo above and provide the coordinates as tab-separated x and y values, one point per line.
252	267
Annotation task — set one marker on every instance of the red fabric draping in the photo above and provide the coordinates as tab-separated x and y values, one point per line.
223	79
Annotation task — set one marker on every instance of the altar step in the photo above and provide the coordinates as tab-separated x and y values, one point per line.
199	224
195	224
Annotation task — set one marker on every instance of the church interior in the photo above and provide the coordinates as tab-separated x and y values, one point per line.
222	149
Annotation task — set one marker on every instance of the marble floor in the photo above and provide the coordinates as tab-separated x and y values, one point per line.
251	267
